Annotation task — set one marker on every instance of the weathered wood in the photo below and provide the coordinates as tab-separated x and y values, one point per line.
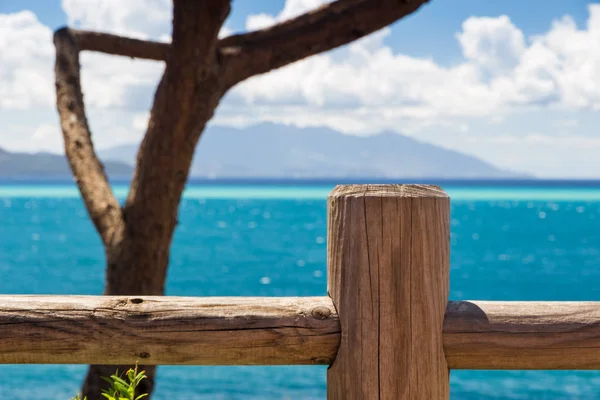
167	330
522	335
252	331
388	260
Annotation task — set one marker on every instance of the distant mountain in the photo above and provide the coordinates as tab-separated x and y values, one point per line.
47	165
280	151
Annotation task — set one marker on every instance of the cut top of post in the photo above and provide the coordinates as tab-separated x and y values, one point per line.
388	190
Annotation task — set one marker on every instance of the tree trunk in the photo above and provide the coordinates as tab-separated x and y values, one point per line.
191	87
136	264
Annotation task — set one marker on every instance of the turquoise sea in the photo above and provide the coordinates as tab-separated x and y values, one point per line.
509	241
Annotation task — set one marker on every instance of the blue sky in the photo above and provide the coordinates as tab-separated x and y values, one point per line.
515	83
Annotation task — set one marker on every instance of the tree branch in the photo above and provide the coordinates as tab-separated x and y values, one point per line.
103	207
120	46
323	29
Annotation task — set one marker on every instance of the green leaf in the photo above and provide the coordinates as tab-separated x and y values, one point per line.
139	377
123	389
120	389
110	392
131	374
116	378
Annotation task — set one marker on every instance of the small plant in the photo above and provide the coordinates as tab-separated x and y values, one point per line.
121	389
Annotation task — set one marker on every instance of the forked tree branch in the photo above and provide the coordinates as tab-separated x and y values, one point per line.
330	26
103	207
253	53
191	61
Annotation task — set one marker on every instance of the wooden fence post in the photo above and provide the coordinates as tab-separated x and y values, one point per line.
388	264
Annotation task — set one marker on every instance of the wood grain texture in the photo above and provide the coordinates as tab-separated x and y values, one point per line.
156	330
388	260
261	331
522	335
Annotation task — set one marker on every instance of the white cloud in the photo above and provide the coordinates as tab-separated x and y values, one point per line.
140	121
501	72
114	127
294	8
225	31
47	136
259	21
26	62
291	9
110	81
494	44
371	75
143	19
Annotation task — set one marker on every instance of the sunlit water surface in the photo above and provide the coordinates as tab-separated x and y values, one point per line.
508	243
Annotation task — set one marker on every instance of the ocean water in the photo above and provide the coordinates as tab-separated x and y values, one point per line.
507	243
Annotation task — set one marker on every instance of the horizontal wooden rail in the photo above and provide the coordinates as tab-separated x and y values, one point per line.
522	335
167	330
272	330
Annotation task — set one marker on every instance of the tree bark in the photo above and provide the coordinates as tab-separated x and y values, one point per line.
199	70
185	100
103	207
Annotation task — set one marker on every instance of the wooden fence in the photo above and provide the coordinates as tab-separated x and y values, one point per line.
386	329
